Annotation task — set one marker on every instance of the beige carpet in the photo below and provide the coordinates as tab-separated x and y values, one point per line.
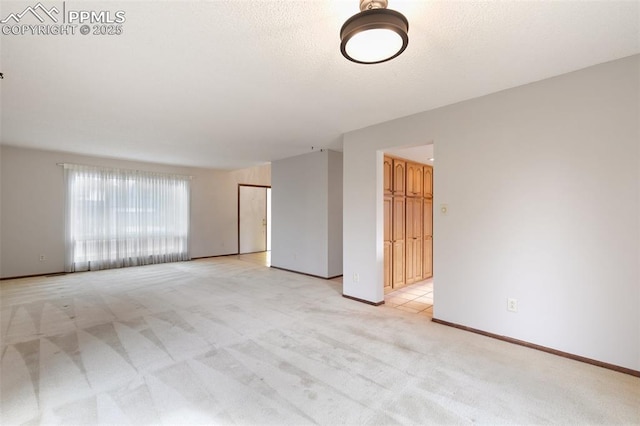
222	341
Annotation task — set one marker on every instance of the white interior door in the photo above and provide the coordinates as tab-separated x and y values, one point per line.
253	219
268	219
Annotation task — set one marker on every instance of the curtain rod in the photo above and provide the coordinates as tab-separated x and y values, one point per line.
125	169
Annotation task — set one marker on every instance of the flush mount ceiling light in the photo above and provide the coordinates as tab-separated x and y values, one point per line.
374	35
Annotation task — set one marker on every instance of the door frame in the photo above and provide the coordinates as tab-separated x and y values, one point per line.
265	208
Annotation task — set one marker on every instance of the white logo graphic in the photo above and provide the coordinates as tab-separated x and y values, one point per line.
34	11
48	20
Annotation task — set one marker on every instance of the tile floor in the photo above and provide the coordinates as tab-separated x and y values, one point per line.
259	258
416	298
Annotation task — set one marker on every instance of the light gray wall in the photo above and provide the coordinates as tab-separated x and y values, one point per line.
334	232
542	183
32	207
299	213
305	222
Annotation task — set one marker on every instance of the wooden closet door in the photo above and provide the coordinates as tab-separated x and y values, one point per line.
408	190
410	269
411	179
388	267
397	259
427	245
427	183
388	175
417	238
414	179
388	255
399	171
418	181
427	264
398	243
413	254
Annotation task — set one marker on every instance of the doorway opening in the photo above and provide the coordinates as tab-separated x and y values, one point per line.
408	229
254	221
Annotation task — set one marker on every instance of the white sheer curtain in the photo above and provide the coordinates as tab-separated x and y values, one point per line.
117	218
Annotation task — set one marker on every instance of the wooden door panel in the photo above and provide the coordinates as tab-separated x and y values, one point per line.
399	168
427	214
427	245
417	227
409	221
428	181
388	259
410	178
413	260
410	268
398	219
427	256
387	218
418	256
418	180
397	258
388	175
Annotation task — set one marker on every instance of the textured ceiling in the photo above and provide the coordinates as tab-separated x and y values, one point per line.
229	84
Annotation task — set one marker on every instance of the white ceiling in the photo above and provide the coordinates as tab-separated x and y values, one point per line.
229	84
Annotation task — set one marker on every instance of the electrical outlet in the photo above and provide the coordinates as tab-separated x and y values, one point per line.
512	305
356	277
43	258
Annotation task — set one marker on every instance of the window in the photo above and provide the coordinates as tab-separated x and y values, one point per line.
118	218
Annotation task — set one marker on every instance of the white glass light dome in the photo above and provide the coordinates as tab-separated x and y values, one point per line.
374	45
373	36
